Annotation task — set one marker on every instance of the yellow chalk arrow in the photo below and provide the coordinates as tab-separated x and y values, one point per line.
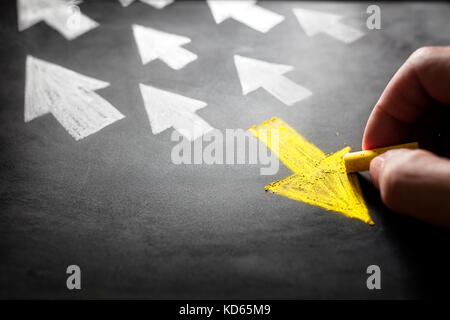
318	179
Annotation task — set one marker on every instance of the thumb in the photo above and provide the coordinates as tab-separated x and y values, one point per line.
415	183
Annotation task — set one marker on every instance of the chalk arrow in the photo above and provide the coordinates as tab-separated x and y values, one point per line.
317	179
158	4
315	22
61	15
246	12
153	44
69	96
167	109
255	74
126	3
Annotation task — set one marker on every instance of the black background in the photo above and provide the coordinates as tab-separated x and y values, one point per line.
141	227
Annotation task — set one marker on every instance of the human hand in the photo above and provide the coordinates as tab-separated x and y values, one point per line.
415	106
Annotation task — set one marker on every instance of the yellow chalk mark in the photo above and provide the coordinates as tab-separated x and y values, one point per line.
317	179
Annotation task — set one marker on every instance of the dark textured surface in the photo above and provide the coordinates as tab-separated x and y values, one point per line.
139	226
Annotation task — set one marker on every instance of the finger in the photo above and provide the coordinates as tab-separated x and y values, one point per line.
376	165
415	183
421	83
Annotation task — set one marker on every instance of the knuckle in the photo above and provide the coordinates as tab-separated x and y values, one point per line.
415	156
398	173
389	184
394	175
422	55
423	52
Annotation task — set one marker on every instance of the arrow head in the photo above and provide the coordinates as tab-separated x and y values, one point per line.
254	73
126	3
158	4
69	96
167	109
154	44
224	9
63	16
30	12
46	82
314	22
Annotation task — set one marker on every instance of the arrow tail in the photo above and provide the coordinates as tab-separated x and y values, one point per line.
344	33
258	18
178	57
193	128
84	113
69	24
29	13
291	148
286	90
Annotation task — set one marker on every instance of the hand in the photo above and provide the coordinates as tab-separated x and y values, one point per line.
415	106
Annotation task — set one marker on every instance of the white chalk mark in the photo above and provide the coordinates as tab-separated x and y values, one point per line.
315	22
167	109
154	44
158	4
61	15
69	96
246	12
255	74
126	3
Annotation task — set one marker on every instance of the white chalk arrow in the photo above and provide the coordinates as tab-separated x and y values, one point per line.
63	16
315	22
126	3
153	44
167	109
246	12
255	74
69	96
158	4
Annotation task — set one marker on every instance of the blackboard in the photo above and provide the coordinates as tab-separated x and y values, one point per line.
141	227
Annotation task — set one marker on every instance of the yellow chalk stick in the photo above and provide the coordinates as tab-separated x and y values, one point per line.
360	161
